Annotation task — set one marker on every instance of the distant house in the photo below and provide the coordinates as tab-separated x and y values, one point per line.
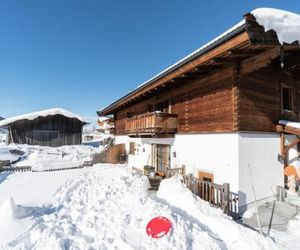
219	110
52	127
106	125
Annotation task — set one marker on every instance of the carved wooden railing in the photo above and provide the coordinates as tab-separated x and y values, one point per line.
151	123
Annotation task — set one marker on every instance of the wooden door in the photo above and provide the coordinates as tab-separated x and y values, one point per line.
161	158
206	191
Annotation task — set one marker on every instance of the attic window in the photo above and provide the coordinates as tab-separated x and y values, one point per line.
286	99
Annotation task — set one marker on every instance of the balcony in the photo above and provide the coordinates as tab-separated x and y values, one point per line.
150	124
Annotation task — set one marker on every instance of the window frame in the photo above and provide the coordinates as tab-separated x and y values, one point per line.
284	86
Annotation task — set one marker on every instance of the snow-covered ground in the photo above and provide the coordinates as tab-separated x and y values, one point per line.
30	190
108	207
44	158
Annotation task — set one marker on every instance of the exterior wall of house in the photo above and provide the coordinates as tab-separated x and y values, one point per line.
259	105
226	156
202	105
215	153
258	166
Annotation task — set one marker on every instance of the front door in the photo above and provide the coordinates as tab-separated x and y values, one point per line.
161	157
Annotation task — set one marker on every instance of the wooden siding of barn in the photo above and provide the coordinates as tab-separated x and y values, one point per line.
70	131
202	105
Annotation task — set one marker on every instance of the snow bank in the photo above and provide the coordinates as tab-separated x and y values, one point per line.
231	234
6	155
109	208
45	158
285	23
8	212
48	112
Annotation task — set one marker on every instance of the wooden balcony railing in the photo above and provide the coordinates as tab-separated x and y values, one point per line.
151	123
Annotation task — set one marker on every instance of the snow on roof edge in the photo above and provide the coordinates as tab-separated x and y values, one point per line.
43	113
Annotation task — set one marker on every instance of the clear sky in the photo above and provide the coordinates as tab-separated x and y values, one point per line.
82	54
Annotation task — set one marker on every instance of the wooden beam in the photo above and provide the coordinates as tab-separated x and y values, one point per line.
259	61
225	60
287	129
291	145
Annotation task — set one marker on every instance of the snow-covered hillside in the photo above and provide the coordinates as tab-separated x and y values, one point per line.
108	207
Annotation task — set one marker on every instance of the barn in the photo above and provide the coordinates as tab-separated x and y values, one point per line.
51	127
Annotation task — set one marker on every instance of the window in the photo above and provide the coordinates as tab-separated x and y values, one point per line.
129	114
162	106
286	99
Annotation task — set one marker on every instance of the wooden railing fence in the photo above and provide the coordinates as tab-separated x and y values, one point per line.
217	195
154	122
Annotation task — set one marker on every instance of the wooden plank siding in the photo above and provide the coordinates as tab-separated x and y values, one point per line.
258	98
202	105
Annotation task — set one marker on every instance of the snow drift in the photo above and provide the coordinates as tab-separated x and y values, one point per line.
109	208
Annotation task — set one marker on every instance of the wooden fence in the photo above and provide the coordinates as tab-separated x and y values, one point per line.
217	195
113	154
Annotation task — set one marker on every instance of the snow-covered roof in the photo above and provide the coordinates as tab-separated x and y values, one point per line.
103	118
43	113
286	24
290	124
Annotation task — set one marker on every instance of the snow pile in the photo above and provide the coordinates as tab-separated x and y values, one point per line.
8	211
233	237
44	158
285	23
290	124
109	208
6	155
48	112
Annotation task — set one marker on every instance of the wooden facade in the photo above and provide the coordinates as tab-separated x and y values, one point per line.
234	86
53	131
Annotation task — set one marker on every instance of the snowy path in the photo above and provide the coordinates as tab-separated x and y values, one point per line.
31	190
109	208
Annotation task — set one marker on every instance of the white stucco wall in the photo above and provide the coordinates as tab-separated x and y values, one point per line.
225	155
215	153
258	153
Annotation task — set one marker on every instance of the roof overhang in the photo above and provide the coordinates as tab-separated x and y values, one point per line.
221	52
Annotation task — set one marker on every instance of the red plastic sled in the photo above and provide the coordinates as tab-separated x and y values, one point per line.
158	227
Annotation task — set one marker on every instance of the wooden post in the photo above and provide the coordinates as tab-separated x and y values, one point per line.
183	169
226	198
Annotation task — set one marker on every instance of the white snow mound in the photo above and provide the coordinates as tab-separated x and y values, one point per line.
109	208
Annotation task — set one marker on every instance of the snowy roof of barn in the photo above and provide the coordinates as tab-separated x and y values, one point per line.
43	113
286	24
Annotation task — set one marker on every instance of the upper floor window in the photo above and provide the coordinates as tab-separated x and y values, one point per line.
159	106
286	96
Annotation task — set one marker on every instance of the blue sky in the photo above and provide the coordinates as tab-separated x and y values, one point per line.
82	55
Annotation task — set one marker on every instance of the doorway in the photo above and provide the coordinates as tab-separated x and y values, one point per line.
161	157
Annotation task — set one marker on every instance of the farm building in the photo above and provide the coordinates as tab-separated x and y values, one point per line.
52	127
224	111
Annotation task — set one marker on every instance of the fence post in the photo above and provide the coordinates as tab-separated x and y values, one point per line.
183	169
226	198
190	181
